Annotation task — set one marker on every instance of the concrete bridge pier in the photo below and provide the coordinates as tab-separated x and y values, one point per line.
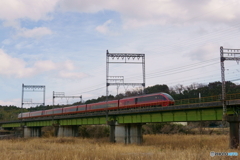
31	132
67	131
126	133
234	135
112	131
234	131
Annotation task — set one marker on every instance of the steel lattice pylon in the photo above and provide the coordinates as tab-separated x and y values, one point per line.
227	54
62	95
32	88
119	80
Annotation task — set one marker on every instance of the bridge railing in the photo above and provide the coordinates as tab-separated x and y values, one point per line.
198	100
233	96
207	99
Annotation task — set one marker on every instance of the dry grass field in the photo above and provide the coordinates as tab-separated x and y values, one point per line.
162	147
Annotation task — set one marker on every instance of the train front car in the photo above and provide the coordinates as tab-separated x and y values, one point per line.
156	99
147	100
170	99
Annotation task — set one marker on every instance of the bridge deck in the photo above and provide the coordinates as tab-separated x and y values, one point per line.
177	113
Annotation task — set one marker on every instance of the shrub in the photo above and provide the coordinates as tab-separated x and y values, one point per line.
94	131
164	128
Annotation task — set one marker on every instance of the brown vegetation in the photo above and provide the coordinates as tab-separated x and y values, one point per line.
164	147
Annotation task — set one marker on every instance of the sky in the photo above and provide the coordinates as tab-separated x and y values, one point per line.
62	44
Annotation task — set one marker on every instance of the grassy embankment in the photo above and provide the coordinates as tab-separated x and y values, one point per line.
164	147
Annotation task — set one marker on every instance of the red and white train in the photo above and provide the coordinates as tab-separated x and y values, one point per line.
156	99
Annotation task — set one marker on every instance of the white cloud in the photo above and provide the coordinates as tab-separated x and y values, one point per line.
11	66
15	102
134	13
15	67
13	11
23	44
137	13
71	75
6	41
205	52
90	6
34	33
42	66
18	9
104	28
12	23
67	65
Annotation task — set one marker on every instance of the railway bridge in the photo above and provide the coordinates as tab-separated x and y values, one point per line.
126	125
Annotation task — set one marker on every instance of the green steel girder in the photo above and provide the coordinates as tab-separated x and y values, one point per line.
40	123
10	125
83	121
214	114
188	115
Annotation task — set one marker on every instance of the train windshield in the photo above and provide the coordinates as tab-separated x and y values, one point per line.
168	96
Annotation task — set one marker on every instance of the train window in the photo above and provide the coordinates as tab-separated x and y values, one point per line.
98	106
150	98
36	113
71	109
49	112
145	99
58	111
113	104
104	105
140	100
81	108
162	98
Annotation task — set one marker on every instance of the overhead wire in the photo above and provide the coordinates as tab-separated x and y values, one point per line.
175	70
182	67
178	70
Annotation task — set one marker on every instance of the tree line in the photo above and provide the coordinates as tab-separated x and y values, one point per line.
177	92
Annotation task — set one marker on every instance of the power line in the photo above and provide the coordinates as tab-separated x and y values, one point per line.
171	71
